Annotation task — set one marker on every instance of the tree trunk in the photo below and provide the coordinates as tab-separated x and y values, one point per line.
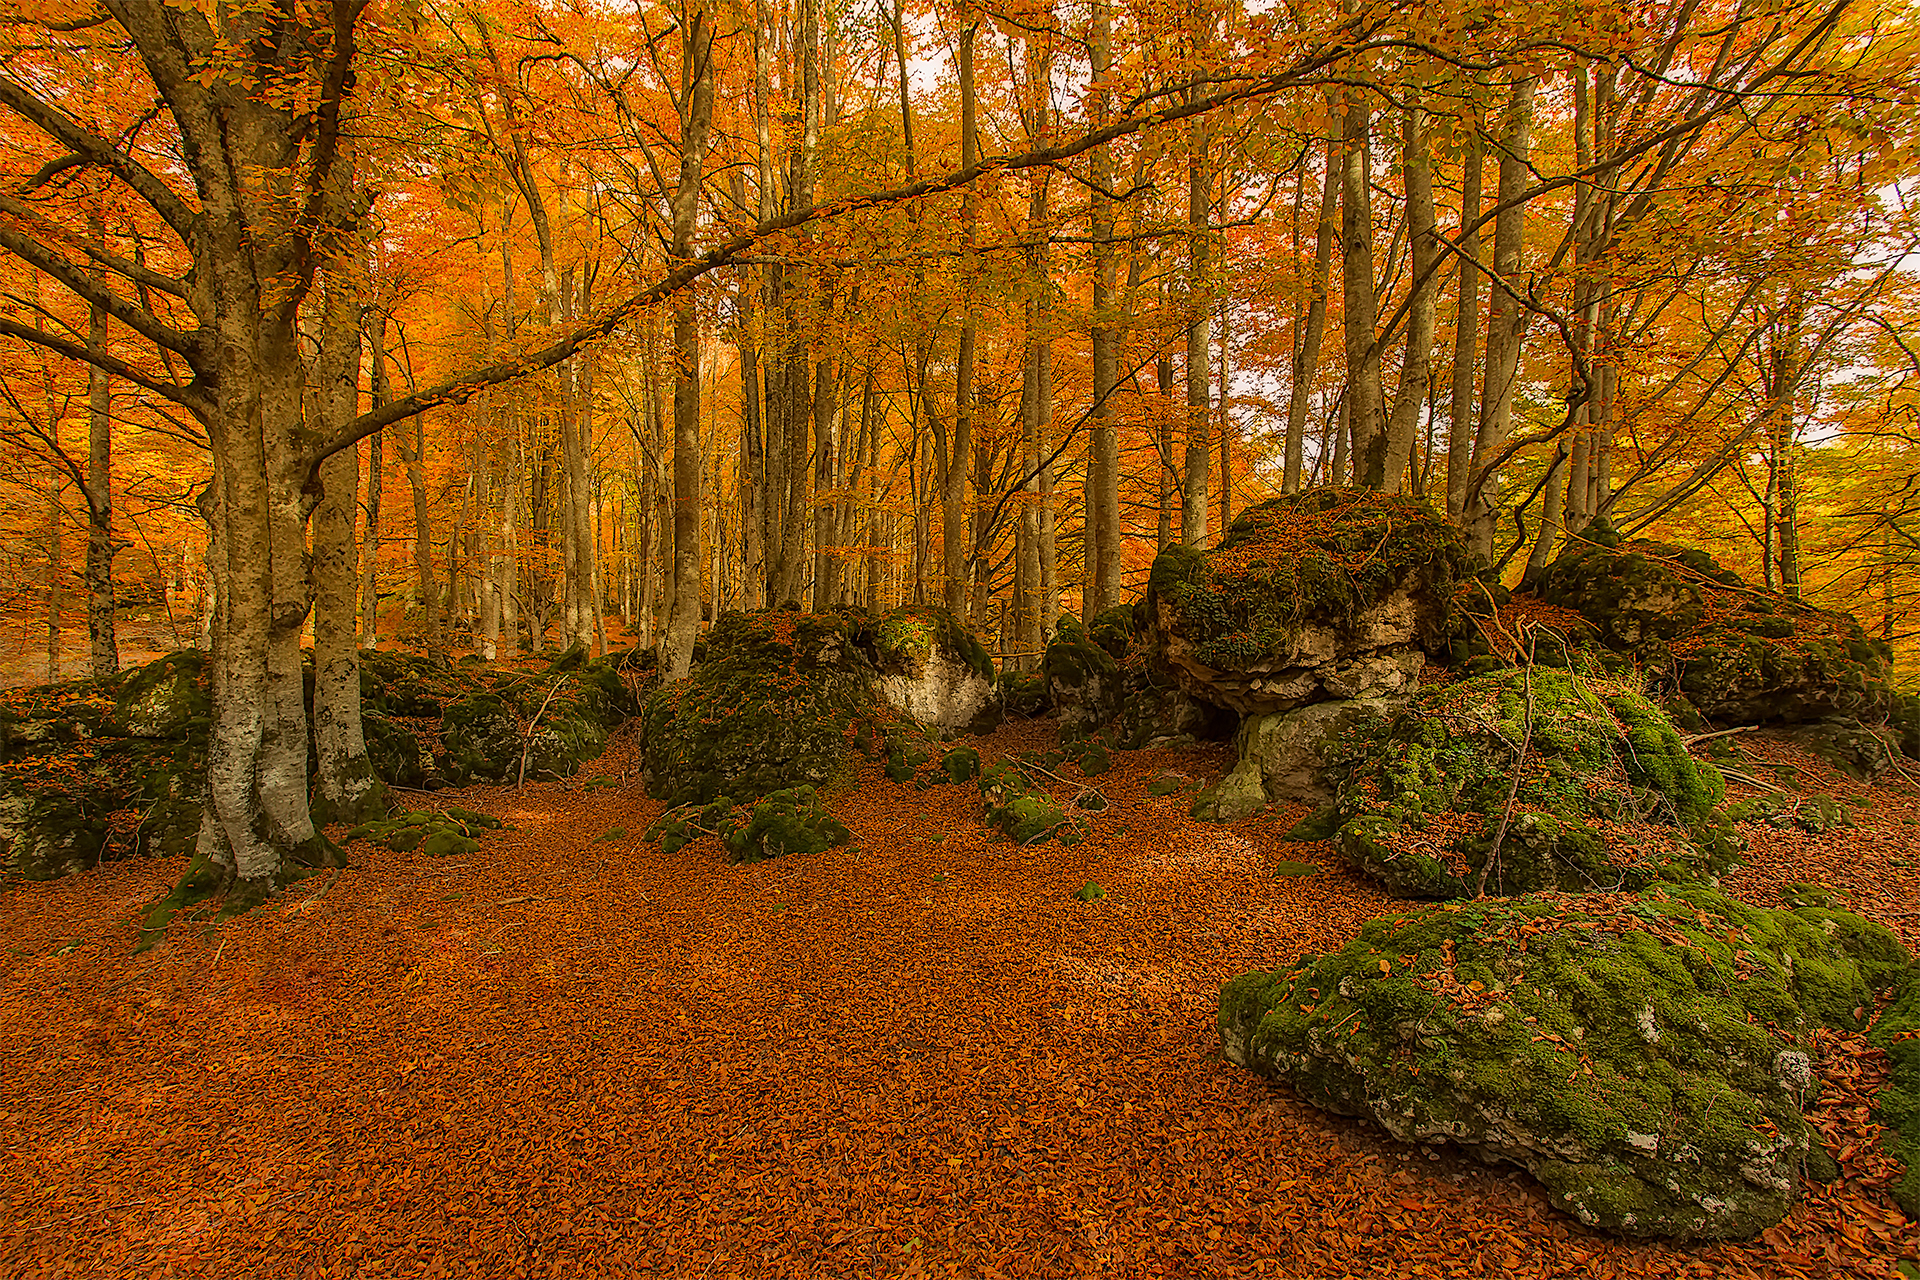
345	788
1193	508
1466	333
1506	321
955	542
1102	524
1358	301
1411	396
696	81
1314	325
104	648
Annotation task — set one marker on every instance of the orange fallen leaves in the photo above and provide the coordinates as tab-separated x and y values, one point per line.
915	1054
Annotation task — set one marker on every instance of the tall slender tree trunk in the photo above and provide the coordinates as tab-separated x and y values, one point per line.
103	646
1506	321
1193	507
1358	301
1313	326
696	97
345	789
1102	527
1411	397
955	528
1466	333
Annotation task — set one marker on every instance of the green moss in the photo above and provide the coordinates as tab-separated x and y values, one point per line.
776	704
1083	680
1317	558
1608	797
1022	811
1738	653
1089	892
906	637
438	833
1897	1032
962	764
1095	760
161	699
1625	1048
792	820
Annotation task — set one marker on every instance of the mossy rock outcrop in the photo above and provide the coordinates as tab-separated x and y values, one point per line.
792	820
164	698
1291	756
1328	593
1023	812
1084	681
776	704
1739	654
78	789
930	668
1897	1033
437	833
1646	1057
1607	797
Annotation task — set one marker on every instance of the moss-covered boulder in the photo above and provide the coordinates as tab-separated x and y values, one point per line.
1289	756
1645	1056
1084	681
1328	593
1024	812
1740	654
1897	1033
1606	796
165	697
930	668
483	740
793	820
437	833
776	704
393	751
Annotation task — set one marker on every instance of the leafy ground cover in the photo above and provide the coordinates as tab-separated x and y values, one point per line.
917	1053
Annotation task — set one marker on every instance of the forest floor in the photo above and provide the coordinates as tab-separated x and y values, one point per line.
913	1055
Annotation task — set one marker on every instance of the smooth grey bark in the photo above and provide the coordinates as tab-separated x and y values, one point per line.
955	548
1359	303
1466	333
1415	365
1313	326
103	646
1506	320
1101	529
1199	461
696	97
345	788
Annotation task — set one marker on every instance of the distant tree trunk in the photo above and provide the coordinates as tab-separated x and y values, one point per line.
1193	509
1226	424
1313	326
958	465
56	521
826	413
696	98
1358	300
103	647
752	482
1102	527
1466	332
1411	396
1163	445
370	548
1506	321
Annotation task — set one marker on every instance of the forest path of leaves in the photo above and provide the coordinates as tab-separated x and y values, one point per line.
568	1055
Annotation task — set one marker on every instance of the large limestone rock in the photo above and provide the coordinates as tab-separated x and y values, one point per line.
1329	593
775	704
1084	680
1604	795
932	669
1644	1056
1289	756
1739	654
